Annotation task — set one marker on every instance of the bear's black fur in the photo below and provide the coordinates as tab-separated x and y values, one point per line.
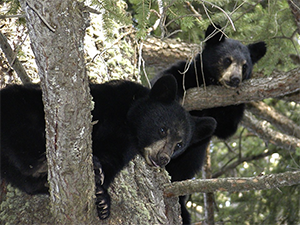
225	62
130	119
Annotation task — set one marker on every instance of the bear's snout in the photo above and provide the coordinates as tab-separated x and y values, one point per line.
234	81
163	159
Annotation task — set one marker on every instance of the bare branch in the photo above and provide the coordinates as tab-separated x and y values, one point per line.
262	129
40	16
11	16
283	123
222	10
232	184
280	84
293	97
13	60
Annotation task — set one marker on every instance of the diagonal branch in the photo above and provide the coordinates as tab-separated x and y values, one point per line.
232	184
262	129
280	84
13	60
281	122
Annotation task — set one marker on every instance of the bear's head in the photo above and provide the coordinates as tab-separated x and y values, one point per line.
226	61
162	127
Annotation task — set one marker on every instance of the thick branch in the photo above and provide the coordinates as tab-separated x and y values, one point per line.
161	54
279	84
283	123
232	184
137	196
262	129
13	60
294	97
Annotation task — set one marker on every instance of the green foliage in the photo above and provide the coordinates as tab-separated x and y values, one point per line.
113	12
143	17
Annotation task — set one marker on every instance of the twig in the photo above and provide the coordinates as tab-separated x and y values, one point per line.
11	16
41	17
222	10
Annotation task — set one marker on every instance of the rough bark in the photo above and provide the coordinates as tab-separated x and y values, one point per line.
279	84
294	97
233	184
18	207
57	29
160	54
137	196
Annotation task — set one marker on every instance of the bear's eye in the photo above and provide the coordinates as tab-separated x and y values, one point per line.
163	132
178	146
245	68
227	61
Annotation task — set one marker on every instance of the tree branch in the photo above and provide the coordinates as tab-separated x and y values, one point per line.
279	84
262	129
283	123
232	184
294	97
13	60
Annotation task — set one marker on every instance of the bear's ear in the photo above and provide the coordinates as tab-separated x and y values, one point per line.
204	128
257	51
164	89
215	36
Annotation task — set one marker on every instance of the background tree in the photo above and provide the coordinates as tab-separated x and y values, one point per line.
260	145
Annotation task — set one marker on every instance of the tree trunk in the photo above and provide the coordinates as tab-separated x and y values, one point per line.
137	192
57	29
137	196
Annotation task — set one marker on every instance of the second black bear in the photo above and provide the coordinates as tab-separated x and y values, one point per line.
225	62
131	119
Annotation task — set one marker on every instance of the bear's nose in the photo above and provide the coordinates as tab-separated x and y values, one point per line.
235	81
163	160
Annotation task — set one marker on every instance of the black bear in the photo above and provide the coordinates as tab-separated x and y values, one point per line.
131	119
225	62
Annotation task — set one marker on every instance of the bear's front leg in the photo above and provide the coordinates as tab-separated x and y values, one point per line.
102	196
